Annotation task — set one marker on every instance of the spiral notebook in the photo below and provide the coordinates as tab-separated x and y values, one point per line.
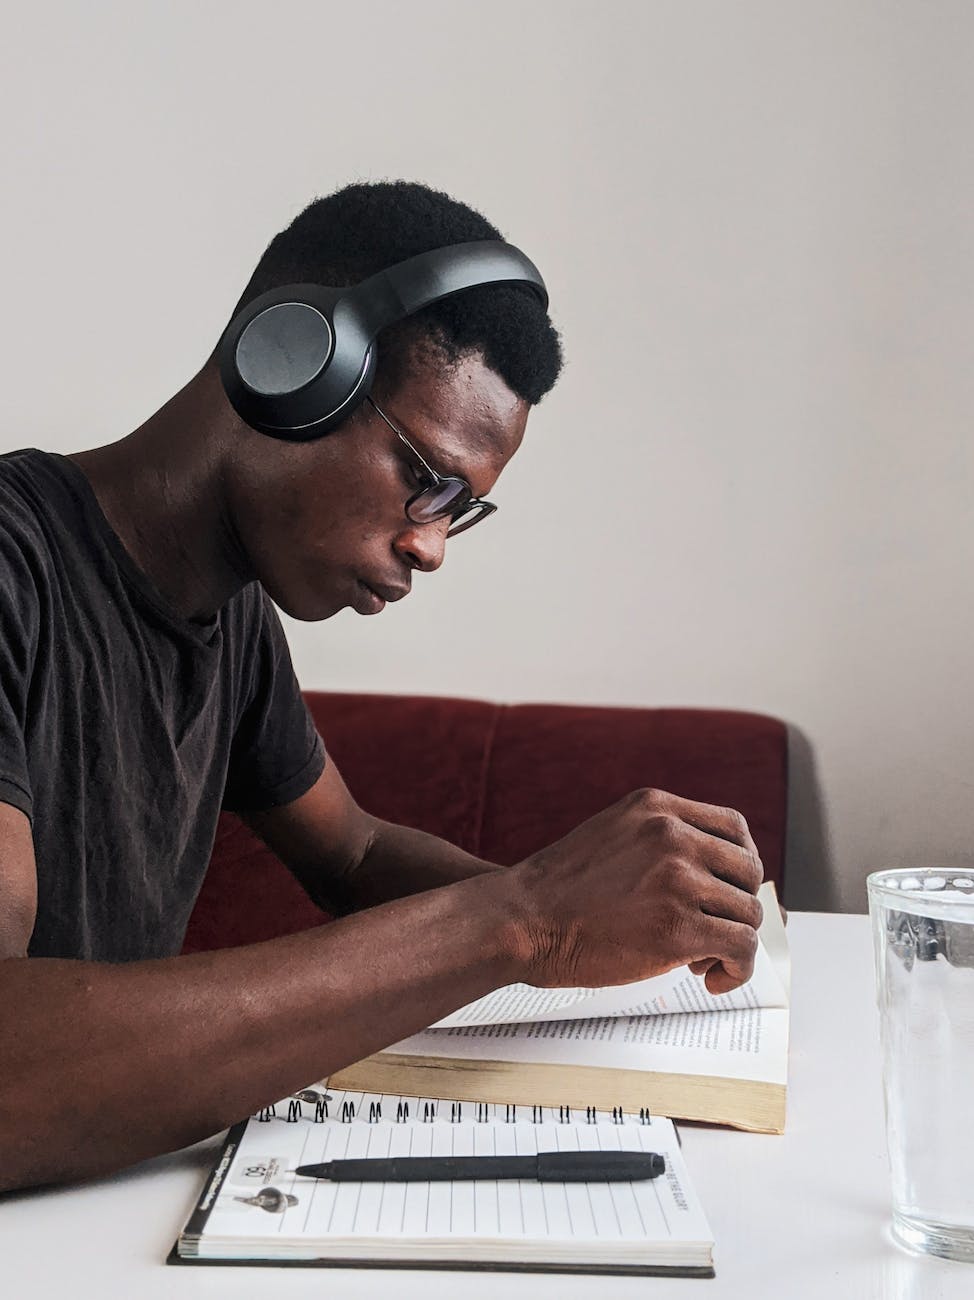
255	1210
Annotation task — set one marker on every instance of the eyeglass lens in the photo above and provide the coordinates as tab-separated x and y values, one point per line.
438	500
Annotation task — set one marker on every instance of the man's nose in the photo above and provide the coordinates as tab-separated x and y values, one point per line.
422	546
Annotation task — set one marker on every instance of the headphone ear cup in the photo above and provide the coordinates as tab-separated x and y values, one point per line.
343	403
287	370
355	398
283	348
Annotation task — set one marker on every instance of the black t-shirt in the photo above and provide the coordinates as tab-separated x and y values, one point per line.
125	728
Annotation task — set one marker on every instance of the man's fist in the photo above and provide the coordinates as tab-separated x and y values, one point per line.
651	883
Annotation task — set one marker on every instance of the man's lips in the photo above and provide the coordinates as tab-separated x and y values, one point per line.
385	591
377	594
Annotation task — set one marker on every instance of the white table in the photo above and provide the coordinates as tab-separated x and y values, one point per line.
801	1216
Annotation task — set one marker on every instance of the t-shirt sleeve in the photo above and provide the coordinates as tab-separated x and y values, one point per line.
277	754
18	648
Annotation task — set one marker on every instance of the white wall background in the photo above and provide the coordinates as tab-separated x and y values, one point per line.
755	221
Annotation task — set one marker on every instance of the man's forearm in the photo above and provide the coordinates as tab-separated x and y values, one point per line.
401	861
150	1056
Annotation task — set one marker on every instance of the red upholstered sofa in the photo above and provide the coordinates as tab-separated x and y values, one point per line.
501	781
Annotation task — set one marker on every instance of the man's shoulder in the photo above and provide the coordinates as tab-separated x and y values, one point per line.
31	483
30	499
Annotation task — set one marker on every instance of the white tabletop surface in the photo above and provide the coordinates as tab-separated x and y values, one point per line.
799	1216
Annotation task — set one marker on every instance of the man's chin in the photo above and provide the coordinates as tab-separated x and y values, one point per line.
308	608
315	606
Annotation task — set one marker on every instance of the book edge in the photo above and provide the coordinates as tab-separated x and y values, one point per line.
752	1105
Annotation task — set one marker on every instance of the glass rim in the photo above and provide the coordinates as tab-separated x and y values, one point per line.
940	895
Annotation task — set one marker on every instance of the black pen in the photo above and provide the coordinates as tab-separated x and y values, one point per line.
545	1167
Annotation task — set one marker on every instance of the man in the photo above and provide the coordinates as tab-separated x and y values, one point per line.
145	682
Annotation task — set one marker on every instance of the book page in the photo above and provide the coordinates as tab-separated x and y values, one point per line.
745	1043
678	991
774	937
261	1199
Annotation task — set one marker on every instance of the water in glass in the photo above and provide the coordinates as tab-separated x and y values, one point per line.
923	927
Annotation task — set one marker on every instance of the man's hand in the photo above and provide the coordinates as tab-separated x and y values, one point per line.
651	883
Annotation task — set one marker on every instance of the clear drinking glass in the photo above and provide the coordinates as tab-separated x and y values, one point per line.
923	934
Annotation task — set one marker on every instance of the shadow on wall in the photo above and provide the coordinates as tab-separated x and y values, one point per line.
809	868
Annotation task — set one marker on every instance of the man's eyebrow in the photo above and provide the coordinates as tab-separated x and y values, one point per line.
450	469
443	463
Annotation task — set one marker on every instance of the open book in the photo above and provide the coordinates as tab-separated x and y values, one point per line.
664	1043
255	1209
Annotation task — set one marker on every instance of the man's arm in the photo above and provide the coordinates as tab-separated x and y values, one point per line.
103	1065
347	860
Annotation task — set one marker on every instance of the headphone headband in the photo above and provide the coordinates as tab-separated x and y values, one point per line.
409	286
296	361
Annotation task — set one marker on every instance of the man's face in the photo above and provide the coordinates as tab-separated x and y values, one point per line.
324	523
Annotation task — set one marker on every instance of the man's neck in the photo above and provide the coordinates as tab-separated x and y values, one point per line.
161	490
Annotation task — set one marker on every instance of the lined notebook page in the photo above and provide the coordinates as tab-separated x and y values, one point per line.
660	1210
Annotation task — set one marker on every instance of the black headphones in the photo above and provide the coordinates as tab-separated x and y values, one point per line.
295	362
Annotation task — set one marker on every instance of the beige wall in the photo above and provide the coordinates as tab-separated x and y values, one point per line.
753	486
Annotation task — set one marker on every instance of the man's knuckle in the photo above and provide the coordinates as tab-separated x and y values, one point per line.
755	870
736	821
678	872
667	830
686	883
647	799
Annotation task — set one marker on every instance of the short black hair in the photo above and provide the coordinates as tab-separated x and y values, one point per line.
365	227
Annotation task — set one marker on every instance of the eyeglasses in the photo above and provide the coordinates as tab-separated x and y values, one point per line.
439	497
